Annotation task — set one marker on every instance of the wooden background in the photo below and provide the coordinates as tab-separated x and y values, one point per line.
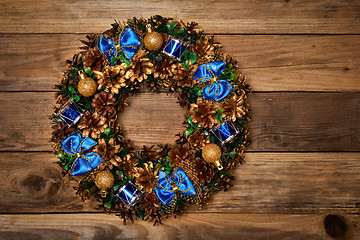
301	177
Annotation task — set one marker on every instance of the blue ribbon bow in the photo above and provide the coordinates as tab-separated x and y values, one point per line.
76	145
167	187
217	89
128	42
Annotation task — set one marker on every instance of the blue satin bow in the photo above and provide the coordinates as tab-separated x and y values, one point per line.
167	187
76	145
128	42
218	89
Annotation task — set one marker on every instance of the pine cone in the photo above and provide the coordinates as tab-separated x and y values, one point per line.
108	152
139	26
194	198
188	165
183	100
90	43
204	51
68	80
151	204
154	85
113	31
182	76
83	192
140	67
198	139
92	58
128	164
234	107
93	125
170	209
104	103
60	132
112	77
203	113
148	153
126	213
146	177
162	152
76	60
182	139
180	153
163	68
204	170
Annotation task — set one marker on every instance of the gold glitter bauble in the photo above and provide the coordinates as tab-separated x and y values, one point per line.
104	180
211	153
86	86
153	40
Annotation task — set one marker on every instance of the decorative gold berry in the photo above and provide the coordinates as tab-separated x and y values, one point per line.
211	153
153	40
86	86
104	180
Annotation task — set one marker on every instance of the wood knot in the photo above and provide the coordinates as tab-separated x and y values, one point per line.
336	226
34	183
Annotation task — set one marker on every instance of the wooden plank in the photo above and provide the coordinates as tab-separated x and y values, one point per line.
46	16
194	226
35	62
297	63
268	183
156	111
289	121
36	184
281	121
305	122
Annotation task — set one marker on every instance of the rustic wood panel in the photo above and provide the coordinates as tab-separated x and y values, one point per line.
289	16
37	185
282	121
194	226
272	63
267	183
159	112
276	195
306	121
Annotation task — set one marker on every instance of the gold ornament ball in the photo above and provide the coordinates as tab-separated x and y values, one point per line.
86	86
104	180
153	40
211	153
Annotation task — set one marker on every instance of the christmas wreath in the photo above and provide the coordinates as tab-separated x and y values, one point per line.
155	54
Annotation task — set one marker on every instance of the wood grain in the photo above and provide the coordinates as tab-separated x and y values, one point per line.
294	16
152	118
282	45
194	226
35	184
268	183
35	62
281	121
306	121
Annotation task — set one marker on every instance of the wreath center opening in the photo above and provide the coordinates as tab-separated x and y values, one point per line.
152	118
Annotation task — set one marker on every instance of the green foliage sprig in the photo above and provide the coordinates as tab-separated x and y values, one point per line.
188	57
177	33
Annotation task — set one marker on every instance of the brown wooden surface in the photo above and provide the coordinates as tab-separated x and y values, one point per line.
190	226
268	183
224	16
35	62
281	121
301	176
